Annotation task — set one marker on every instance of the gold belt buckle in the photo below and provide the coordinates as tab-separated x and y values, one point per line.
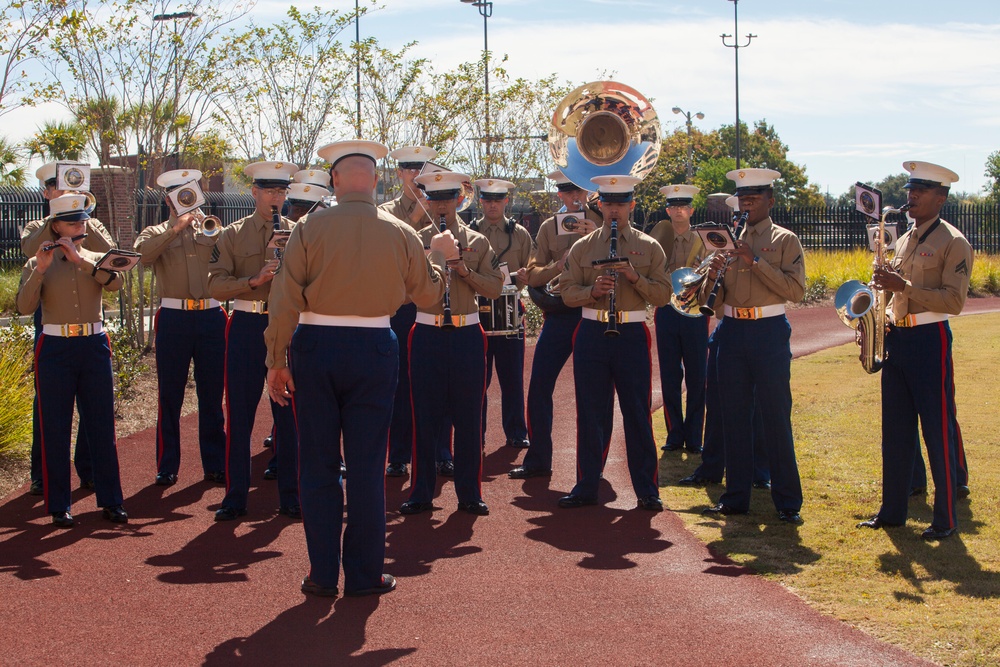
622	316
457	320
746	313
905	322
602	316
194	304
73	330
260	307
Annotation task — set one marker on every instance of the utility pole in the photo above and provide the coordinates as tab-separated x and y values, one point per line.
736	46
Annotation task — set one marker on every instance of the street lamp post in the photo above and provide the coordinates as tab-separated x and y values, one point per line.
176	16
486	11
736	46
690	160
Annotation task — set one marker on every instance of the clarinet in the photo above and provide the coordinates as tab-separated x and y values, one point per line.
612	329
276	221
709	308
446	321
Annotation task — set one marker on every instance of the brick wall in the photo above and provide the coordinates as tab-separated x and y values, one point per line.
114	187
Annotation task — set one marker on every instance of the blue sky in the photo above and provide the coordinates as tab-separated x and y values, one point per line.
853	88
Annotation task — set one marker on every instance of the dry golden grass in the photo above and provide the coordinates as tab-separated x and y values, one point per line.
939	600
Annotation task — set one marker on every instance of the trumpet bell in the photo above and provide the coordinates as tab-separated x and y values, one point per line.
604	128
854	299
209	226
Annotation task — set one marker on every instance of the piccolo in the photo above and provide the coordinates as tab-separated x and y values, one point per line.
53	246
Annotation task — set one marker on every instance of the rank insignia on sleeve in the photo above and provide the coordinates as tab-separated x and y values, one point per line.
215	255
962	268
798	260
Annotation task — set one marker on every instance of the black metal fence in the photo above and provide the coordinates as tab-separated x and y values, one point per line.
824	227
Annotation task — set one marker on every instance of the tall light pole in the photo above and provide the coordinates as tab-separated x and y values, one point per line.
486	11
690	160
736	46
176	16
357	47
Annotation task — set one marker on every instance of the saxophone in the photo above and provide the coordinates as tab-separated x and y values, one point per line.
863	307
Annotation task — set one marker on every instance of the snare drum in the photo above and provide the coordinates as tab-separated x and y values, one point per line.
502	316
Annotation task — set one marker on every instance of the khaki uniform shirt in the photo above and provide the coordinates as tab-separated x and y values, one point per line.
518	253
646	256
778	276
402	207
550	246
351	259
936	270
688	251
484	278
69	294
240	253
664	234
98	239
180	260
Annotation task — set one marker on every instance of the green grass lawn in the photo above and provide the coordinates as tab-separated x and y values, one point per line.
939	600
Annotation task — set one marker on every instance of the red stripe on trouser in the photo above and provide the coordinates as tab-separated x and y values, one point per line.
225	392
945	422
649	394
159	404
413	413
482	427
41	429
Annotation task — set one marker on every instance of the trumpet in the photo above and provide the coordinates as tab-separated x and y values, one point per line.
206	225
863	307
709	307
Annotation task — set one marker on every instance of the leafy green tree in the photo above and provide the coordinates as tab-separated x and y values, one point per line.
59	140
24	27
993	173
207	152
12	171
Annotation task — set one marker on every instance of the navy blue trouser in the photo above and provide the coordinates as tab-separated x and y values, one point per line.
918	387
754	365
682	351
345	378
447	382
920	470
183	336
602	366
401	430
713	454
81	453
245	374
68	369
508	356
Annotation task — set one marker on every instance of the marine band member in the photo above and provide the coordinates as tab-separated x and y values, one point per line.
307	192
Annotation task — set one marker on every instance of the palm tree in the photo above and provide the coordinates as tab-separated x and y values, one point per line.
11	166
103	120
59	141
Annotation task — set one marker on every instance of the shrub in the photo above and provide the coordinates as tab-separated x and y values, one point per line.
16	390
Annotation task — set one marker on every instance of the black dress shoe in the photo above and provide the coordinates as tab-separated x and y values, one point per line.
415	507
693	450
673	446
36	488
165	479
291	511
216	477
518	443
270	473
918	491
268	442
115	514
790	516
446	468
964	491
722	508
388	584
651	503
520	472
762	485
395	470
477	507
695	479
572	501
933	533
310	587
62	519
876	522
228	514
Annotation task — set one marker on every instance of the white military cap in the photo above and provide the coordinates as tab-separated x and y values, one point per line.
271	174
312	177
307	192
47	172
752	180
413	157
733	202
924	174
70	206
563	184
171	179
493	188
442	184
616	188
338	150
679	194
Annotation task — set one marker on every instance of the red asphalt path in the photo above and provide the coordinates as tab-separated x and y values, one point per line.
530	584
